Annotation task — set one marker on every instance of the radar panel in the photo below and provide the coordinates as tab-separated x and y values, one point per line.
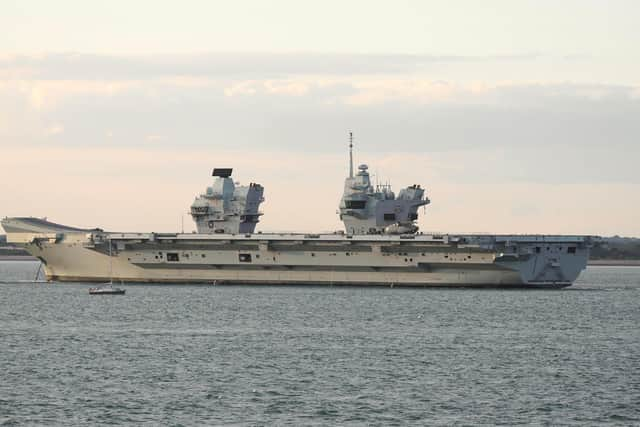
222	172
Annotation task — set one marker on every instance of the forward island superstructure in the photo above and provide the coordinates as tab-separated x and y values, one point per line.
381	245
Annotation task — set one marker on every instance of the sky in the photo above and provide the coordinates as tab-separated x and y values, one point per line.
517	117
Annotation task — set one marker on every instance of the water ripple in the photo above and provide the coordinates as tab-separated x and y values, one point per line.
194	355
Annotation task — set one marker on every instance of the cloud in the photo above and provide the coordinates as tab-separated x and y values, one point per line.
44	94
146	125
249	87
560	124
77	66
153	138
55	129
409	111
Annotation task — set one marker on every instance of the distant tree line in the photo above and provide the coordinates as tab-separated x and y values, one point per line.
617	248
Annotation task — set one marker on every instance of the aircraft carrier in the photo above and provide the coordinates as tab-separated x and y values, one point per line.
380	245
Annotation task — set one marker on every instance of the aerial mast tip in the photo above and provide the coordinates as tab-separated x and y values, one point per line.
350	154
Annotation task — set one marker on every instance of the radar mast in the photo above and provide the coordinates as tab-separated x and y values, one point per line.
350	154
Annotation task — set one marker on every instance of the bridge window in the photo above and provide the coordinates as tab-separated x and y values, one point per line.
355	204
571	250
389	217
244	257
172	256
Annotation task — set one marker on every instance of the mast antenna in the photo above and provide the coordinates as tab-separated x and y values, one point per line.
350	154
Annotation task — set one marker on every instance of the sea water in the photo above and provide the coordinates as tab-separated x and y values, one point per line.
300	355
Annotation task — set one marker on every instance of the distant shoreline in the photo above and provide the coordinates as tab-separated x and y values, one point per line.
615	262
17	258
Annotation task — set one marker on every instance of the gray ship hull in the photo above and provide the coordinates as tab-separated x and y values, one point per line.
75	255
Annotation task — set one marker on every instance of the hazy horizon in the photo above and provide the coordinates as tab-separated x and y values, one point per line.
516	117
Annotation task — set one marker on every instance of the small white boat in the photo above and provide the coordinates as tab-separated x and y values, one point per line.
107	290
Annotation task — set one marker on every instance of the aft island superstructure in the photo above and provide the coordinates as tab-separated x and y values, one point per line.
381	245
